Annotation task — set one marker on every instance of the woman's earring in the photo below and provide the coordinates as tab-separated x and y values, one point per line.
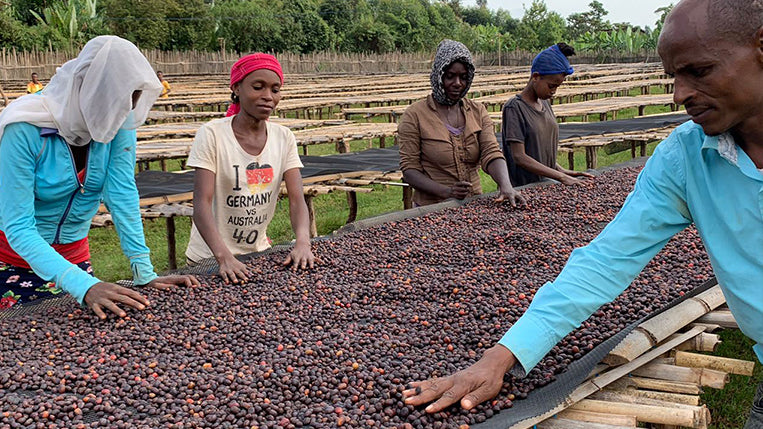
234	97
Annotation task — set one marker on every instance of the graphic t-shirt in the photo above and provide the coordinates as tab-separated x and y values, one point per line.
246	186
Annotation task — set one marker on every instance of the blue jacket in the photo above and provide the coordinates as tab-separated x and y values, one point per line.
42	201
687	180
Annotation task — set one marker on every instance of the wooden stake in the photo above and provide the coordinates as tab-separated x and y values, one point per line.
704	342
723	318
648	413
700	376
733	366
573	424
311	214
171	245
659	327
667	386
609	419
598	383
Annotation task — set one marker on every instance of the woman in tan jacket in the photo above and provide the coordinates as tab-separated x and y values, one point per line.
445	138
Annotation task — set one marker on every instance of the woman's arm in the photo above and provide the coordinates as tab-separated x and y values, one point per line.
498	170
120	194
533	166
573	173
231	269
421	182
301	255
493	161
17	212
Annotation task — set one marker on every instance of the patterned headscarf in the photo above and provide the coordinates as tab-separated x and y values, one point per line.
448	52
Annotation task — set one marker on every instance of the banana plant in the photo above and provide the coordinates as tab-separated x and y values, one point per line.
62	18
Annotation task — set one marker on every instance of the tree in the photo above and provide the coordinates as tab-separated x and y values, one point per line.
477	16
341	16
22	9
540	28
408	21
248	26
13	33
191	25
590	21
503	20
368	36
445	23
663	11
144	23
69	24
303	30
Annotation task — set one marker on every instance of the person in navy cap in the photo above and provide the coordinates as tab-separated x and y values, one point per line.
529	129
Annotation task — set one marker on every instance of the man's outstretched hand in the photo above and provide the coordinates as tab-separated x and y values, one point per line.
473	385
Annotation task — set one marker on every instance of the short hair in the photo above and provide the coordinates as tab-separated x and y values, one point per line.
34	73
739	19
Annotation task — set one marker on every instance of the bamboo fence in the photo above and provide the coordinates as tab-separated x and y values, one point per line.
18	65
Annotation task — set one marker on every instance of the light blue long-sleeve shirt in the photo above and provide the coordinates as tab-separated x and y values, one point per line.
690	178
43	202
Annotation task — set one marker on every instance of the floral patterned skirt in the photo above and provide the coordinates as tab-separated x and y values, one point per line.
22	285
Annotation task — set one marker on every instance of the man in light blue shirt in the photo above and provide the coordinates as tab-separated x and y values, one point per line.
708	172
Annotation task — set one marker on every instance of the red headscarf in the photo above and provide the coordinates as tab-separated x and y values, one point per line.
248	64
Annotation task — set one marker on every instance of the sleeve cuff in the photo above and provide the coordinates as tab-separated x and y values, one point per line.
142	270
77	283
529	341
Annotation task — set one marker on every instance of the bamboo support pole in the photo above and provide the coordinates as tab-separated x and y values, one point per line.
573	424
609	419
732	366
667	386
311	215
594	385
723	318
625	396
696	418
700	376
658	328
678	398
705	342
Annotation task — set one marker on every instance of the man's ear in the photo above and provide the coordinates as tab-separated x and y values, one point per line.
759	43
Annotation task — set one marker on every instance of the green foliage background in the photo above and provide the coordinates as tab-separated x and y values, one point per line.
304	26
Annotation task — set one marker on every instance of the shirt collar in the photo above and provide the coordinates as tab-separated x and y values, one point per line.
727	148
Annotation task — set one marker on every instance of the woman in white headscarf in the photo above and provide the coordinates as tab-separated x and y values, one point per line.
62	152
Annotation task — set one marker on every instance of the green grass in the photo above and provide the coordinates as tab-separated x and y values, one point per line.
731	406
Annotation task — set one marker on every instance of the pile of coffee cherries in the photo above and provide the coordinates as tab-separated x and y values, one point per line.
336	345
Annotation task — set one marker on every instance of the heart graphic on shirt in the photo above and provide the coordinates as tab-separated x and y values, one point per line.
258	177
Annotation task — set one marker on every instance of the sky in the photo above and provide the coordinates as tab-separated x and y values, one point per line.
640	12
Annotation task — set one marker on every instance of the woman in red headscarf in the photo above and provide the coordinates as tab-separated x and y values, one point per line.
240	161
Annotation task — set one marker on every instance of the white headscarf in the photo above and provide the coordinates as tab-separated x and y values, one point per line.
90	97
